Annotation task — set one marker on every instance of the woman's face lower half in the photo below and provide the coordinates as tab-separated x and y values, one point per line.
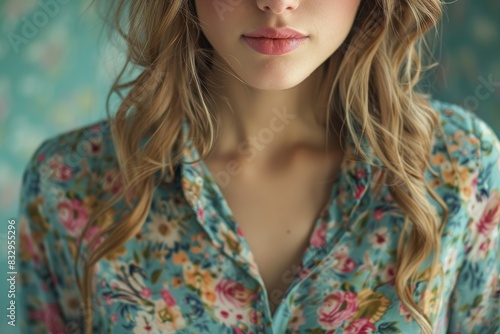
263	59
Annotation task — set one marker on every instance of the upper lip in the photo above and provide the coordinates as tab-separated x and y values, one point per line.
270	32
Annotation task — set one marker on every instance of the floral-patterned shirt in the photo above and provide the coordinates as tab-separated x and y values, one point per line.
190	268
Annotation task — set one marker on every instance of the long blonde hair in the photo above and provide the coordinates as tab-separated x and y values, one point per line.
370	85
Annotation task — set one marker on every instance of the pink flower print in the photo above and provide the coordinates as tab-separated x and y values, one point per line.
378	214
233	293
114	318
237	330
345	263
336	308
484	246
491	214
108	299
297	318
168	298
389	274
145	293
379	238
254	317
113	181
360	326
404	312
361	173
91	233
28	245
474	183
303	272
201	213
51	316
318	237
359	191
72	215
348	265
96	146
64	173
59	170
224	314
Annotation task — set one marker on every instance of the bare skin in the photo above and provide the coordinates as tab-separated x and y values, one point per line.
277	197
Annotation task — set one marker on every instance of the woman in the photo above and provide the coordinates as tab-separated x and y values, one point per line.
272	169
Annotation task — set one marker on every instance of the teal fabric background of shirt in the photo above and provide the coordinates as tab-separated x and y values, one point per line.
56	67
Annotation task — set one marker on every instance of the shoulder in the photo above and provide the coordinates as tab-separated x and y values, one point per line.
60	157
60	188
456	118
87	141
65	176
471	244
466	156
467	137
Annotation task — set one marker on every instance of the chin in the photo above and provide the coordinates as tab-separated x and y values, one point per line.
273	86
266	79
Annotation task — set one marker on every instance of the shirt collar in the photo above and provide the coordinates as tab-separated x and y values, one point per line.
205	197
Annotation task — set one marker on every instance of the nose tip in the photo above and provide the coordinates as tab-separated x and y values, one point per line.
277	6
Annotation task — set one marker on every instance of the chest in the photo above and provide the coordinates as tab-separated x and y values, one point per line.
277	250
277	222
277	211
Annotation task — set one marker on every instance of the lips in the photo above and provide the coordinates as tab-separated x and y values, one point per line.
274	41
275	33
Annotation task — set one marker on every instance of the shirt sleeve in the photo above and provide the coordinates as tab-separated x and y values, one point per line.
475	301
40	286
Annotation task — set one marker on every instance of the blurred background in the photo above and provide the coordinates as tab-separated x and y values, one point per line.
56	67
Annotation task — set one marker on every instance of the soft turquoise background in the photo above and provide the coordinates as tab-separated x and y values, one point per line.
57	78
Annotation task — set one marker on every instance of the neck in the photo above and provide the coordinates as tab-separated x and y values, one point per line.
269	121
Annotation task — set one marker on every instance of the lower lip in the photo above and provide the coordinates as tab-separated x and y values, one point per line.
274	47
